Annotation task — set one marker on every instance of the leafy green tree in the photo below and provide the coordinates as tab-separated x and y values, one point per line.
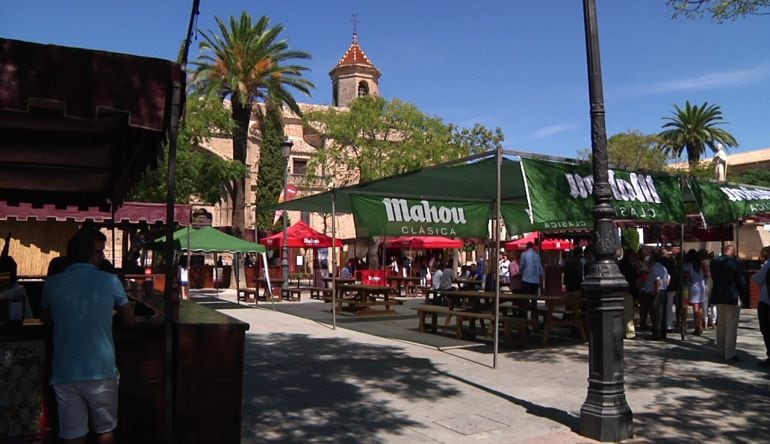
271	163
200	174
375	138
477	139
633	151
247	62
630	238
719	10
692	129
755	176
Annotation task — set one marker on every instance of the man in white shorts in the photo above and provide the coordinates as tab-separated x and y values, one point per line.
79	302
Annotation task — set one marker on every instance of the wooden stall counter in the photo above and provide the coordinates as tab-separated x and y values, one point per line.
208	350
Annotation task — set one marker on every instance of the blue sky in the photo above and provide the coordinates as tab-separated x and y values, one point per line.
518	65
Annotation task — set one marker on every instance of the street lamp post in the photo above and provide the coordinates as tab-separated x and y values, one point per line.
604	416
286	146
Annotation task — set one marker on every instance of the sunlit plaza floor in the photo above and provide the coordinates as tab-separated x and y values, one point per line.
376	380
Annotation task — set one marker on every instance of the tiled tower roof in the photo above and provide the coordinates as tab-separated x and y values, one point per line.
355	55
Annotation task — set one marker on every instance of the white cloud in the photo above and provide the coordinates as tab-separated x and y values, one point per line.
551	130
711	80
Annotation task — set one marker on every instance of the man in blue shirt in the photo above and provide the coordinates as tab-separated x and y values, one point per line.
656	287
531	270
79	302
761	278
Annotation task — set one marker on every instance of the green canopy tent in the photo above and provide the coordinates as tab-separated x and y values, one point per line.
178	238
543	193
211	240
725	202
722	203
458	198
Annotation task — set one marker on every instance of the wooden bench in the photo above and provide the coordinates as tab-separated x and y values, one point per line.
321	293
248	295
433	311
510	324
431	294
291	292
571	310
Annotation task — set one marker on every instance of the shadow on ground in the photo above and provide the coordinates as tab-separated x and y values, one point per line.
698	397
303	389
210	299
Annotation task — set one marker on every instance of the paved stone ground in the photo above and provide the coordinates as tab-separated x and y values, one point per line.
305	382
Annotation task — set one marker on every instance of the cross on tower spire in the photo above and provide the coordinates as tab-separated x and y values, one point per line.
354	19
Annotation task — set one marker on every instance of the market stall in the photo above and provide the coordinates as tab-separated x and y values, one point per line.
78	128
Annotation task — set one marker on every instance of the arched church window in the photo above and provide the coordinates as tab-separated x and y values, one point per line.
363	89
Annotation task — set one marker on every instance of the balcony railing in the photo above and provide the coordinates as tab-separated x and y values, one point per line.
302	181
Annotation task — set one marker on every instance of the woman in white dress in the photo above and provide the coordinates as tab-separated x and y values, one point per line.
694	270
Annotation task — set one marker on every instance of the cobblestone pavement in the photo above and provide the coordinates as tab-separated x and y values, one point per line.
305	382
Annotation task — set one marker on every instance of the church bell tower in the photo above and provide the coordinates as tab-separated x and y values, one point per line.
354	76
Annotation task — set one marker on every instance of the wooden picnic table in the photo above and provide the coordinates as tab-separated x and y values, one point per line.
274	283
410	281
364	298
561	303
465	283
339	281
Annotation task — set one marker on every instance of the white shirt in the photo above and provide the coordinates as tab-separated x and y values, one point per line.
504	267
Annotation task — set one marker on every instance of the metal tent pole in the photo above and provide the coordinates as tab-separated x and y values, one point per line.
334	261
499	160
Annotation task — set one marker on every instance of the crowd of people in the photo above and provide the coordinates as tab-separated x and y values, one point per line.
662	286
663	283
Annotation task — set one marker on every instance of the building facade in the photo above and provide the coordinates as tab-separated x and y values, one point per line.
353	76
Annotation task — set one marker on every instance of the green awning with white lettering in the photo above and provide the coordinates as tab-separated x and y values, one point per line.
560	196
555	195
387	216
723	202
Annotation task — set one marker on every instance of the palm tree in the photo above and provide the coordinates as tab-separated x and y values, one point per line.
692	129
247	63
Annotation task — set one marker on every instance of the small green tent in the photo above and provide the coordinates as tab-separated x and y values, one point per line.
210	240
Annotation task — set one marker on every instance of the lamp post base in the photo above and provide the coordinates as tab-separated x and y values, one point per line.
605	415
606	423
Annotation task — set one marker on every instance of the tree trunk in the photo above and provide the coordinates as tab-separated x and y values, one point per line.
242	116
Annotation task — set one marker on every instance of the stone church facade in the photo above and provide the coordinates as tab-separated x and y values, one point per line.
353	76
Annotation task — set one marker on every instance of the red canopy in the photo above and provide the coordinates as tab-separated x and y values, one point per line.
129	212
545	244
423	242
300	235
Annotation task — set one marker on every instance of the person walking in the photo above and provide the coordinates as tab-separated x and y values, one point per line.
573	271
709	311
628	267
762	278
668	259
693	270
729	287
448	276
481	269
505	272
531	270
645	299
79	302
656	287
